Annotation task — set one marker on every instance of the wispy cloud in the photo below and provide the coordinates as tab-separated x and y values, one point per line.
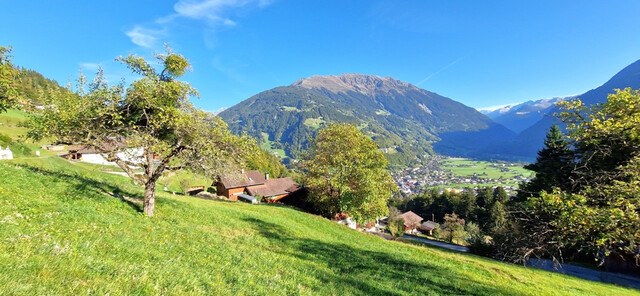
90	67
210	10
214	13
441	69
144	37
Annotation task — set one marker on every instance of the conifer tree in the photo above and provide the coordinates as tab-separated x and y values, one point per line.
553	166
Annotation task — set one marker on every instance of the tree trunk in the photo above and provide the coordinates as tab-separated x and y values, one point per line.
149	198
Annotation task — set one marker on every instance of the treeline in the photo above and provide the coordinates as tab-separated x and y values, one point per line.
584	202
485	207
33	87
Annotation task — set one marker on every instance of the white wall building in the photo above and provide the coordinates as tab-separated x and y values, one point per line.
6	153
134	155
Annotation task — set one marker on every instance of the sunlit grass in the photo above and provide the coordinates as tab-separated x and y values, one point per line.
467	168
63	233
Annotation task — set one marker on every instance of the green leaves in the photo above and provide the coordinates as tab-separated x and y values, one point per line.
153	116
8	76
595	207
346	173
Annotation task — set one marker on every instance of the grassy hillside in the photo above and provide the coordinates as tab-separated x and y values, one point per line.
63	233
13	133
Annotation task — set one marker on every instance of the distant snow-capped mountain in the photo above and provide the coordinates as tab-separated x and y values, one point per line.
518	117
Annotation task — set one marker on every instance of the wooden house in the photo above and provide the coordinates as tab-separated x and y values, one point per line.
428	227
411	221
254	183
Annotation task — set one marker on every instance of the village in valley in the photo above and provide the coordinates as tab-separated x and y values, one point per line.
454	174
262	147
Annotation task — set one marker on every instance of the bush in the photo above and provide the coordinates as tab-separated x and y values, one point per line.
396	226
478	243
185	184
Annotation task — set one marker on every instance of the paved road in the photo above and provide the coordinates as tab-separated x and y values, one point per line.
437	243
568	269
586	273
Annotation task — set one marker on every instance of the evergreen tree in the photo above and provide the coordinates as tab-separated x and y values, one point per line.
497	217
500	195
453	229
553	166
596	211
467	205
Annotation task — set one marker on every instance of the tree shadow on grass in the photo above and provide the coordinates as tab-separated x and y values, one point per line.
371	272
82	185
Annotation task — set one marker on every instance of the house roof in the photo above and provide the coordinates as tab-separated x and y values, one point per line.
273	187
249	178
410	219
107	147
428	226
81	149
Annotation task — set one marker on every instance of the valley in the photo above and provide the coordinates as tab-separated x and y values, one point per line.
262	147
454	174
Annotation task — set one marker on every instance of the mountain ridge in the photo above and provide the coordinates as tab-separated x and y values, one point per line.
527	143
362	83
405	121
518	117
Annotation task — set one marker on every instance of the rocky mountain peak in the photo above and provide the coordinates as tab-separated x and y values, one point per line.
365	84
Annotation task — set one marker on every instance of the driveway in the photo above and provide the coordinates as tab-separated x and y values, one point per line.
437	243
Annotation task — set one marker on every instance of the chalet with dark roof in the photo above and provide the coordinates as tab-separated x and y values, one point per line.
255	184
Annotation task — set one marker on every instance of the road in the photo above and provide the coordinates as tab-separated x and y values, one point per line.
568	269
437	243
587	273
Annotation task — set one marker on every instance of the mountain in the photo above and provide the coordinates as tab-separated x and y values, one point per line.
530	140
32	86
404	120
519	117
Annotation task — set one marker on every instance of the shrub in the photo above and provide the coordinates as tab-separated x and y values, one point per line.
396	226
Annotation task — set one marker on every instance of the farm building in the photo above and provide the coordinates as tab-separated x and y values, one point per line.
411	221
254	183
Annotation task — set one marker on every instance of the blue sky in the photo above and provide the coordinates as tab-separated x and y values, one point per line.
480	53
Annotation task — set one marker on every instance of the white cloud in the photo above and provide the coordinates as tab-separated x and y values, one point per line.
143	37
213	11
502	108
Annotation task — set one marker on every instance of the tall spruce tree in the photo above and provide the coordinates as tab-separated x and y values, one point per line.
553	166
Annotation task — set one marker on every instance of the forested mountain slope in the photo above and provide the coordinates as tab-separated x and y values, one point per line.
404	120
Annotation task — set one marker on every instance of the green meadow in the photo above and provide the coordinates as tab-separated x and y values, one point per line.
67	229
